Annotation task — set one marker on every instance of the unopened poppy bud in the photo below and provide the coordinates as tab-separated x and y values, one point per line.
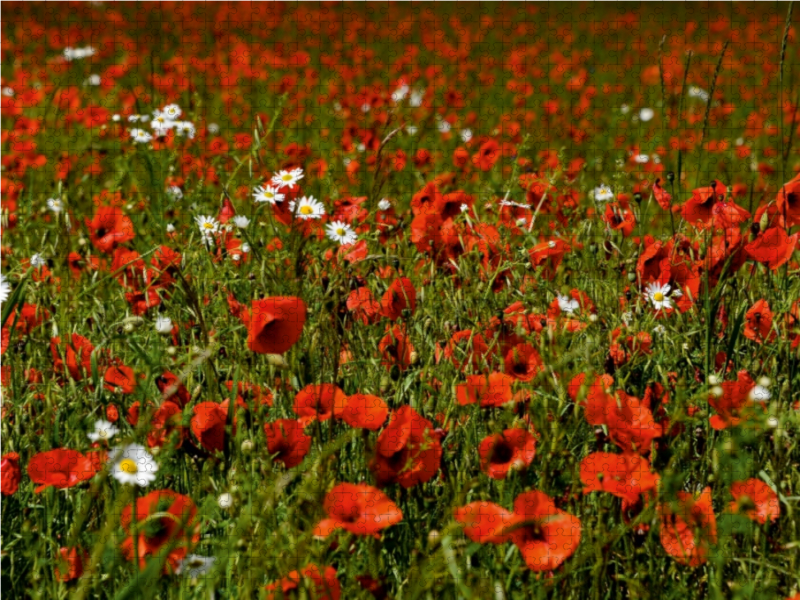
773	423
713	380
716	391
670	176
171	351
764	222
225	501
433	537
384	385
247	446
631	277
196	392
414	357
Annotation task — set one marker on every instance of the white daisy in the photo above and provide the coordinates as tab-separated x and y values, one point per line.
384	204
267	193
163	325
37	260
567	304
341	232
55	205
170	228
93	79
466	135
760	393
464	207
133	465
172	112
208	227
400	93
603	193
657	294
646	114
140	136
241	221
185	129
287	178
161	125
416	98
134	118
5	288
307	208
175	192
103	430
193	566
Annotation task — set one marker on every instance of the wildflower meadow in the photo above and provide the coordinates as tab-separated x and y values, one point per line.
400	300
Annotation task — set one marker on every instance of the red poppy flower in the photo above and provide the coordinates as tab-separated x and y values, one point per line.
319	402
400	295
10	474
358	508
121	379
487	155
545	535
548	254
619	219
662	197
731	404
523	362
630	423
60	468
320	584
172	389
109	228
363	306
773	247
490	392
286	438
788	202
501	453
78	355
626	476
396	348
364	411
163	518
408	450
758	323
688	526
699	208
466	348
425	201
208	424
275	324
166	423
755	499
70	563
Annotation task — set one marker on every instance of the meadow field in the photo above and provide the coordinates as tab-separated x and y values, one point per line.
326	300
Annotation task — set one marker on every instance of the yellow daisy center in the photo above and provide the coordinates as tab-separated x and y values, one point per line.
306	210
658	296
208	225
286	177
129	466
340	231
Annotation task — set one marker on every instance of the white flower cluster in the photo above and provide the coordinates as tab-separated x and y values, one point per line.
71	54
161	123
